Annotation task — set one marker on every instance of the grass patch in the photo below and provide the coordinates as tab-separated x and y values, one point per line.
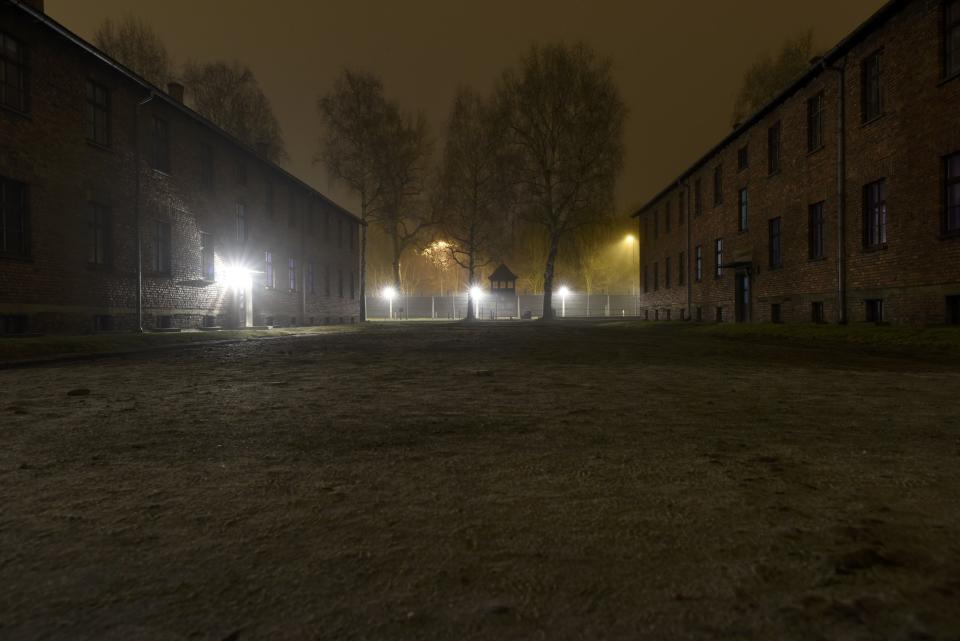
35	347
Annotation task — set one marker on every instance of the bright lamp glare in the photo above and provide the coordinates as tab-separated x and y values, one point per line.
236	276
476	292
630	239
564	291
389	293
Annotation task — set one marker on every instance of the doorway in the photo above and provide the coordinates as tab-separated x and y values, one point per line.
743	297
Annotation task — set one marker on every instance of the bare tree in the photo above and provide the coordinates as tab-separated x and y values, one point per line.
354	114
564	119
475	192
136	45
403	156
769	75
228	94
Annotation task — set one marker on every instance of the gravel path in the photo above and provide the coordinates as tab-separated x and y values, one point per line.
569	481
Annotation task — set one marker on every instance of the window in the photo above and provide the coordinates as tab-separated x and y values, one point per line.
241	173
340	282
697	198
951	210
699	314
773	149
875	215
292	274
656	276
776	257
206	166
13	73
681	207
269	276
656	224
816	312
102	323
209	321
161	247
718	185
666	272
951	37
873	310
207	269
718	314
698	264
161	145
953	310
646	279
98	114
871	97
98	229
815	231
241	222
14	219
680	270
743	158
666	217
13	324
308	284
718	257
268	199
165	321
742	219
815	122
326	280
775	313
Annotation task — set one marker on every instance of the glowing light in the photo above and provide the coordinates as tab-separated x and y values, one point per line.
476	292
630	239
389	293
564	291
236	276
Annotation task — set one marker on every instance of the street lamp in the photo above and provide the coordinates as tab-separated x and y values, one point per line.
564	291
631	241
389	293
476	293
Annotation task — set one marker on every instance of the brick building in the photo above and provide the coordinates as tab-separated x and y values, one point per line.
122	208
838	201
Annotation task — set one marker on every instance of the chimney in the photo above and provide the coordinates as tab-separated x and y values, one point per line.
36	5
175	90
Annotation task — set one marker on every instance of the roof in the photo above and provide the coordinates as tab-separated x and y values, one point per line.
161	95
815	69
502	273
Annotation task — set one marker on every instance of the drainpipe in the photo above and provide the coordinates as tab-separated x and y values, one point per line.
136	208
840	70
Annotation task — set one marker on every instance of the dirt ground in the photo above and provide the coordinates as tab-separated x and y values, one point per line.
515	481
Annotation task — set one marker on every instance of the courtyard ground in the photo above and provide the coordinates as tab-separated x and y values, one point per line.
500	481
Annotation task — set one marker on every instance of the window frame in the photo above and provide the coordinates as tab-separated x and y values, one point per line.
951	66
875	215
160	139
718	257
698	264
815	229
162	248
949	184
815	109
96	108
743	210
269	273
870	111
21	211
775	236
208	270
743	158
718	185
243	233
774	151
21	65
99	235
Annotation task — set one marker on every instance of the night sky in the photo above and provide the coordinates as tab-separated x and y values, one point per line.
678	64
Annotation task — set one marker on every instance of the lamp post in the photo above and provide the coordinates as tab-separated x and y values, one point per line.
389	293
564	291
476	293
632	243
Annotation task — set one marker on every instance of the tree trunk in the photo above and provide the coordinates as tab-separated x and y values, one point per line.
397	250
363	272
470	303
548	278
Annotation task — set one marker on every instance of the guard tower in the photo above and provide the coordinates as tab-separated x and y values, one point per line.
503	292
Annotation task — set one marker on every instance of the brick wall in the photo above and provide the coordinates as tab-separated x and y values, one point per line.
912	273
46	148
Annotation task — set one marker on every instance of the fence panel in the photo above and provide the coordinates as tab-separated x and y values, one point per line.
576	305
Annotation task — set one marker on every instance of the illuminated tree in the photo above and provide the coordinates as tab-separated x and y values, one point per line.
564	124
228	94
439	255
768	76
136	45
475	192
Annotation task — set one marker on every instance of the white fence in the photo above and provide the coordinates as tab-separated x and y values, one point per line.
490	307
